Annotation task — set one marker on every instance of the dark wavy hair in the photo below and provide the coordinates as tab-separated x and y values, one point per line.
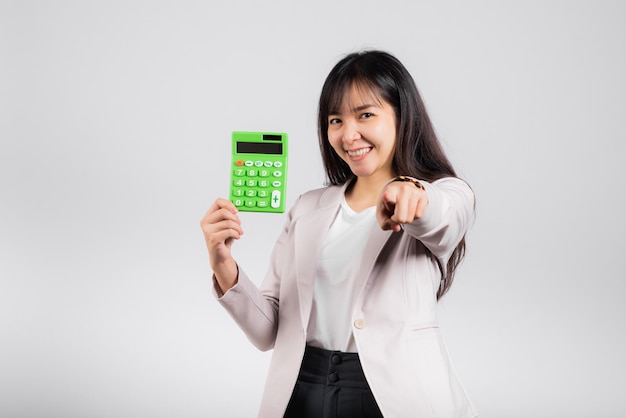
418	152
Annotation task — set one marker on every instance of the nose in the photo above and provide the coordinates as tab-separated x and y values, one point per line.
350	132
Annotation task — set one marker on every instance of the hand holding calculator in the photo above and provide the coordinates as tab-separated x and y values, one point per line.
258	171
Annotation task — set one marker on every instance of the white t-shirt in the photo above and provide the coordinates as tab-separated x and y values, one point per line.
336	284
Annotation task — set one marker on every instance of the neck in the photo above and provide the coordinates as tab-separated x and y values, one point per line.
364	191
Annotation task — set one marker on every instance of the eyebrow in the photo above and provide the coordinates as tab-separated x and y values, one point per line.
354	109
362	107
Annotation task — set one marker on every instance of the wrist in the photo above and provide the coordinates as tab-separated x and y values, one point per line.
406	179
226	274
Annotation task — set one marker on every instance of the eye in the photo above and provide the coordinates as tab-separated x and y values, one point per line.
334	121
366	115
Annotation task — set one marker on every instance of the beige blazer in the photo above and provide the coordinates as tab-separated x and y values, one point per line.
394	319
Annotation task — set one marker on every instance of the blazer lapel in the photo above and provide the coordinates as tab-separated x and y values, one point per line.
309	233
373	247
375	243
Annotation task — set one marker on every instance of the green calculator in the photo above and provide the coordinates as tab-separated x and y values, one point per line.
259	171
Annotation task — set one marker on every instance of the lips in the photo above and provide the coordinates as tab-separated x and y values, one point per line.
359	152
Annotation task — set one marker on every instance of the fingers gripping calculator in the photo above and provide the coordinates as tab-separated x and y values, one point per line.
259	171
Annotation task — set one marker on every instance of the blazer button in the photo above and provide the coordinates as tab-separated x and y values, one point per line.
359	323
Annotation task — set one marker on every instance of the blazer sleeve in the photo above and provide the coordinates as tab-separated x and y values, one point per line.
255	309
447	218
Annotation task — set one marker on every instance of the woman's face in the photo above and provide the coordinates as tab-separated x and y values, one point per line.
363	133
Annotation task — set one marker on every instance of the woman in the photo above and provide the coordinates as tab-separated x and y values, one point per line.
349	303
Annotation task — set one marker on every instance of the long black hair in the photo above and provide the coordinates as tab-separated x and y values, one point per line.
418	152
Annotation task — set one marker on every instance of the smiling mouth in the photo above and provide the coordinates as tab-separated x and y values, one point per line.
359	152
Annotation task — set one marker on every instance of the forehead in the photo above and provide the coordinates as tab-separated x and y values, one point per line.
355	95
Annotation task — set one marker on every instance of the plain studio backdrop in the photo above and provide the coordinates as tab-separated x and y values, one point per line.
115	123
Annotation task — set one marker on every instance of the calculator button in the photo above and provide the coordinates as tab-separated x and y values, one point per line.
264	173
239	182
276	183
238	202
251	193
252	173
275	203
278	173
238	192
268	164
278	164
262	203
264	183
258	163
250	203
251	183
249	163
239	163
239	172
263	193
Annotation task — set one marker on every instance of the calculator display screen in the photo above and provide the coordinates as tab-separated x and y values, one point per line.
259	148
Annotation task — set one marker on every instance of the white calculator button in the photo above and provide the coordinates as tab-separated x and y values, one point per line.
278	173
258	163
278	164
269	164
276	183
275	201
249	163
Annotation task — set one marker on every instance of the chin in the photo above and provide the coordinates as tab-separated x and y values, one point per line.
362	173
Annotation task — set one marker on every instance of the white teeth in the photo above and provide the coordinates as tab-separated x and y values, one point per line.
359	152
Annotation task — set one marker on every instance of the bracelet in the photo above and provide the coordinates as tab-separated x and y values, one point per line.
407	179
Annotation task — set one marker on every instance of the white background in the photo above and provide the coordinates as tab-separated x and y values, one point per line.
115	122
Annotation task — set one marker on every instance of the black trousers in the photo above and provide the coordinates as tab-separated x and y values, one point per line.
331	384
